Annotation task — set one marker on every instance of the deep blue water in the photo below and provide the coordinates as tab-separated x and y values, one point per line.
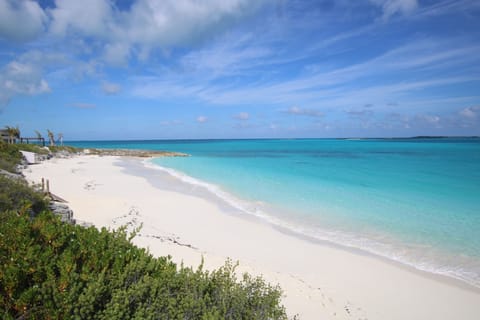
416	201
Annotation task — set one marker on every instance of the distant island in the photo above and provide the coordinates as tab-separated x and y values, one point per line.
412	138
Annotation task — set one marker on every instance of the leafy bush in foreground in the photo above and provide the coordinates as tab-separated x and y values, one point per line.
51	270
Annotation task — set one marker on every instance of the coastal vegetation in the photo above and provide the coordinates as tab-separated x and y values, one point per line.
13	133
55	270
10	155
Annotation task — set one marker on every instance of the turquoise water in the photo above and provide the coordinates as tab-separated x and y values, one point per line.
416	201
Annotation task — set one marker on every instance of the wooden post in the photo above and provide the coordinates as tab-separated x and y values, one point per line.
43	184
48	186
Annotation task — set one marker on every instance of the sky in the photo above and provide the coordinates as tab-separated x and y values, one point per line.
190	69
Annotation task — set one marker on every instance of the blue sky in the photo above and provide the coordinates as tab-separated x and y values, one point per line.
145	69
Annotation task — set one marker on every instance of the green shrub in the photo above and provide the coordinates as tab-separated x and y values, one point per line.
9	156
51	270
16	195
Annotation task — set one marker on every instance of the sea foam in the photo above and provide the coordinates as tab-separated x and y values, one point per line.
383	249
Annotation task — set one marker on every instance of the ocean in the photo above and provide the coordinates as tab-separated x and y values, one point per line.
414	201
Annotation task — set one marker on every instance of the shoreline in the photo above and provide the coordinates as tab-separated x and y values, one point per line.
224	204
320	280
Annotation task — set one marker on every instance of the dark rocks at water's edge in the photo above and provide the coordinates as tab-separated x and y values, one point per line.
65	152
133	153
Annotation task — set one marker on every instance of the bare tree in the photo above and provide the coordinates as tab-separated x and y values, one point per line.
51	137
60	138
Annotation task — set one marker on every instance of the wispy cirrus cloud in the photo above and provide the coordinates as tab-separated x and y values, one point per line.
391	7
341	87
445	7
297	111
310	64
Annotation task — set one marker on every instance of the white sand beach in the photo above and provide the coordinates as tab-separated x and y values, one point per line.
320	281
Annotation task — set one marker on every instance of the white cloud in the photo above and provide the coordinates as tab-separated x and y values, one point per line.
110	88
21	20
147	24
173	22
83	69
433	120
242	116
304	112
24	75
19	78
202	119
117	53
392	7
470	112
87	17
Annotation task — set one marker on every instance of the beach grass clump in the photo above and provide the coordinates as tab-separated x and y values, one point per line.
54	270
68	149
31	148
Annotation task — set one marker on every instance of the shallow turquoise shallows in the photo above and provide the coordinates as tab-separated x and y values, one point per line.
416	201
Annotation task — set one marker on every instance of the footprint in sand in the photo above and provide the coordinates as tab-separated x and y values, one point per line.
91	185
